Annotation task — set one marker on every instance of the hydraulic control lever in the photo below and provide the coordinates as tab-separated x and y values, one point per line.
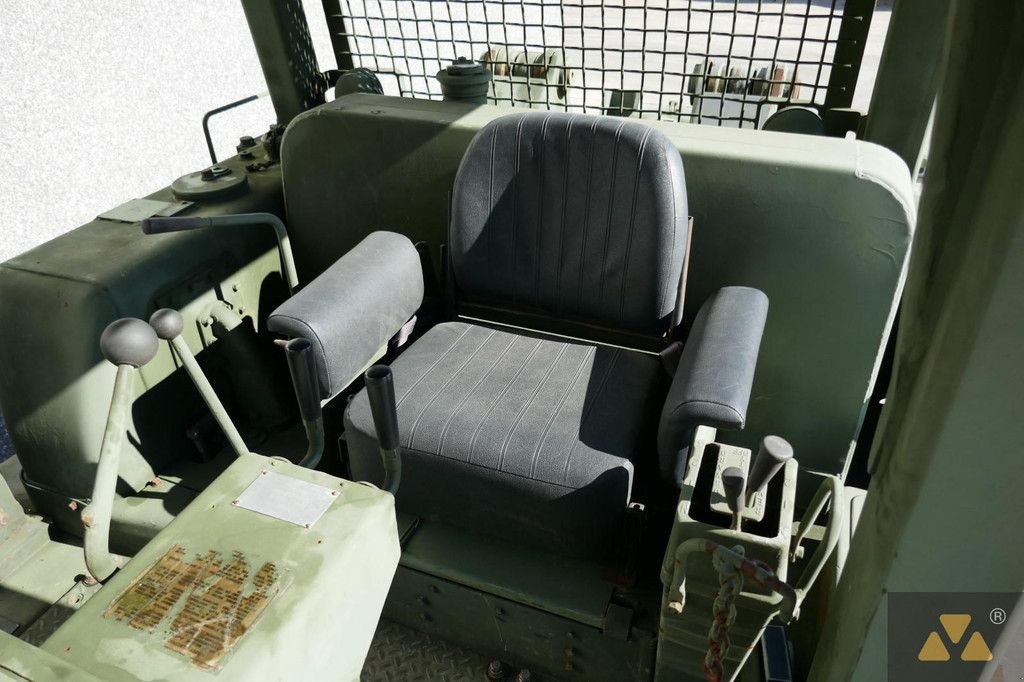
168	325
307	392
380	387
771	457
157	225
128	344
733	479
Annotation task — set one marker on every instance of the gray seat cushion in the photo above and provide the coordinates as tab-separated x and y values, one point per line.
524	437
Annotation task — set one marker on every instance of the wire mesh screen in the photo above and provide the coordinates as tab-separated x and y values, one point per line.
711	61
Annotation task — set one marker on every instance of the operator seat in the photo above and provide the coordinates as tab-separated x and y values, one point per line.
562	221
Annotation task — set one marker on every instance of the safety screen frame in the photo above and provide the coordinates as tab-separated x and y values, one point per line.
709	61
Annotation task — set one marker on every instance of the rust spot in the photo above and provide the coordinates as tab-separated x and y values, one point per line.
201	606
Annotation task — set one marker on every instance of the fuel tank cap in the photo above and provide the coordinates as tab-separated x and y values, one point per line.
215	182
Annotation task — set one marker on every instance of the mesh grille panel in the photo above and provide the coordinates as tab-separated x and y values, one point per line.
714	61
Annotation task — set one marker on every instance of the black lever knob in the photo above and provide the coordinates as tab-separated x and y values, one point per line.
380	388
167	323
129	341
773	454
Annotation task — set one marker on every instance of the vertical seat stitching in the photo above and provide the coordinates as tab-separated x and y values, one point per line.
586	216
515	207
490	200
611	209
588	410
666	288
632	218
561	225
469	394
446	384
558	409
497	399
526	406
539	226
440	357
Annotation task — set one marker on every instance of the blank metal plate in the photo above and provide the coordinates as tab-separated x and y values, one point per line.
286	498
134	210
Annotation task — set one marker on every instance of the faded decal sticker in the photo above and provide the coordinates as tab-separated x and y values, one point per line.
200	606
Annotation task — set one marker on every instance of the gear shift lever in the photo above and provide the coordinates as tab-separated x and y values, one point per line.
168	325
129	344
307	391
733	479
773	454
380	388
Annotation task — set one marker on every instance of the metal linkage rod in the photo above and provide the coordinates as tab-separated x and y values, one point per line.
127	343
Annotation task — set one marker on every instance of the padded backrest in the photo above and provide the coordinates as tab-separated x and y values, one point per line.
571	215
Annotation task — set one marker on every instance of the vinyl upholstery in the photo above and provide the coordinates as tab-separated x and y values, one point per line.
571	215
714	377
345	313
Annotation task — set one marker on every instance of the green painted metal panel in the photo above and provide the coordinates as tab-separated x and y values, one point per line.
242	592
21	661
55	301
822	225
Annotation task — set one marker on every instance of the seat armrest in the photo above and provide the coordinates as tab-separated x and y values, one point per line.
712	382
354	307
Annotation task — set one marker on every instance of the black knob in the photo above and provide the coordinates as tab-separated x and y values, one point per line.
129	341
774	453
380	387
167	323
733	481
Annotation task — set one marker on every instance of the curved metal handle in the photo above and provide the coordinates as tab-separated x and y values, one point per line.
161	225
830	489
789	607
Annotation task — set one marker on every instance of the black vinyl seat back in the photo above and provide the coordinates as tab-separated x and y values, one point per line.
572	216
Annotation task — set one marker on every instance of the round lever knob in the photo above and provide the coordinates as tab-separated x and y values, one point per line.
128	341
733	480
167	323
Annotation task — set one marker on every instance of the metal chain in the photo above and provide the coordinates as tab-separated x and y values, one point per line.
730	581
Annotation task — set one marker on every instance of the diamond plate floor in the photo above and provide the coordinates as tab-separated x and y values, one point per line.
399	654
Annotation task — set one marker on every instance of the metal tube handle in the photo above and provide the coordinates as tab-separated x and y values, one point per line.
831	488
299	353
168	325
160	225
380	388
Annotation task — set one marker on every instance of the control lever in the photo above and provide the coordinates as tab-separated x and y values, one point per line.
774	452
158	225
128	344
299	353
733	480
380	387
168	325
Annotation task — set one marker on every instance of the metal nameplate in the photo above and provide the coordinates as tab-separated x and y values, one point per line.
286	498
134	210
199	604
